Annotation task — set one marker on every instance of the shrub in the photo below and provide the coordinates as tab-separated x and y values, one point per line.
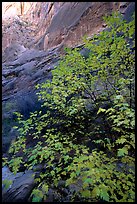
80	89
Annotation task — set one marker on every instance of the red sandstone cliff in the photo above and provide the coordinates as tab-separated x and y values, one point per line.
45	25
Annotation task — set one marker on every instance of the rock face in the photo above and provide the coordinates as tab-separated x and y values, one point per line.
19	78
12	52
53	24
21	187
80	18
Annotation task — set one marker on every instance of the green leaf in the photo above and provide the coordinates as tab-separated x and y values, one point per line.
37	195
86	193
119	97
104	195
97	141
52	173
63	173
73	175
95	192
88	180
32	158
122	151
103	192
45	188
7	183
36	199
101	110
121	140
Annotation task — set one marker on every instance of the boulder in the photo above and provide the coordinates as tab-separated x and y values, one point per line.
21	187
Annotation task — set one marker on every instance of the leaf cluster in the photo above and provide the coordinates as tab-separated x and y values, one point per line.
83	89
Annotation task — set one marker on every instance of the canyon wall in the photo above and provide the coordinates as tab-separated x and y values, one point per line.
45	25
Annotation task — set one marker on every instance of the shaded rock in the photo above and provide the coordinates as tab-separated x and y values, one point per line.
38	167
44	72
12	52
75	187
21	187
11	85
8	137
53	195
28	56
8	72
23	102
30	67
123	167
27	68
8	175
61	183
130	9
85	52
27	103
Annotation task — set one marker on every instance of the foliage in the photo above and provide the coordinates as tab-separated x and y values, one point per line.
37	195
82	90
101	178
122	119
7	183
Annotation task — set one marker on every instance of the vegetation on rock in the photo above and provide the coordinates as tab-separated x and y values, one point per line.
84	132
